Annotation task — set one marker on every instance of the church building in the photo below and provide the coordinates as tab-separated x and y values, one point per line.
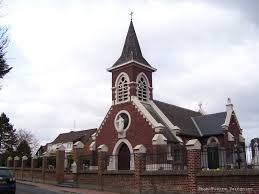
136	120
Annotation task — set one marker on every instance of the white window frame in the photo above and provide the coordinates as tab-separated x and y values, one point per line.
122	88
142	89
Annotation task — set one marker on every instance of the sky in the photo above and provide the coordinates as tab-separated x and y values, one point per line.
204	51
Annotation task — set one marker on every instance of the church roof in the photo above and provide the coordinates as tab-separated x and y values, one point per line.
73	136
131	49
210	124
180	117
167	133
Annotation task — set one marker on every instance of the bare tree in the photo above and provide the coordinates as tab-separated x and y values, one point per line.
26	135
4	67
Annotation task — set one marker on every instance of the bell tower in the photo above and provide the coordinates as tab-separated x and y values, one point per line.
131	73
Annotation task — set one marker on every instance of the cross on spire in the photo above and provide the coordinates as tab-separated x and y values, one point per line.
131	14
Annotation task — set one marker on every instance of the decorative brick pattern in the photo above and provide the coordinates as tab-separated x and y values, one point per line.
194	164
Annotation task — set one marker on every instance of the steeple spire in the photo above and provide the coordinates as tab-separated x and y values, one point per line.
131	49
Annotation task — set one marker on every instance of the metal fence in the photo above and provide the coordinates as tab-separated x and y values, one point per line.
51	162
166	161
235	157
87	162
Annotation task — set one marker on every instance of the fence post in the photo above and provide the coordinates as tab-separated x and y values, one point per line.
9	162
33	165
193	147
44	166
77	152
24	163
16	164
102	165
140	164
159	144
60	164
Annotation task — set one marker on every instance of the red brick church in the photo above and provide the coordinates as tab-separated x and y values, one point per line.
137	121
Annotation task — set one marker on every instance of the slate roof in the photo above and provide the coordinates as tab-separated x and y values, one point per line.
211	124
167	133
180	117
74	136
131	49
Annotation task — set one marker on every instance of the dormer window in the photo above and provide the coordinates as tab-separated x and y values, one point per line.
142	87
122	88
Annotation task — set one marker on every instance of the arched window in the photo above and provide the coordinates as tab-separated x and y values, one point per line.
122	88
142	87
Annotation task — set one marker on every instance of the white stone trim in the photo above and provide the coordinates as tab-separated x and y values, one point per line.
162	116
211	138
131	61
118	145
16	158
197	127
9	158
24	158
139	76
103	122
113	162
116	87
35	157
103	148
144	75
92	146
145	113
132	82
159	139
79	144
169	124
61	148
140	149
123	133
193	144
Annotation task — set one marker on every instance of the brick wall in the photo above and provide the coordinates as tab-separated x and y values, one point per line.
118	181
50	176
88	179
37	175
163	182
139	132
235	181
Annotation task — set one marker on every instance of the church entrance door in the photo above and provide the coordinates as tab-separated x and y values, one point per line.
213	157
124	158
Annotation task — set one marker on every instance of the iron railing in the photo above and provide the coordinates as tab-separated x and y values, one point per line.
235	157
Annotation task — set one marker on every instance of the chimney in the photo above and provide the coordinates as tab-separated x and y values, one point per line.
229	105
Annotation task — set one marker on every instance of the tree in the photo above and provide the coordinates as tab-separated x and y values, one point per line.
23	149
26	135
8	139
7	134
4	67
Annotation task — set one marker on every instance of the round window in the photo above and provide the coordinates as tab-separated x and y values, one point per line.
122	121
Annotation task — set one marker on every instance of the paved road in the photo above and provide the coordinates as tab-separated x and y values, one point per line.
28	189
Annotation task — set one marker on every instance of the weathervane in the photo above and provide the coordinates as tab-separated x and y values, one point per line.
131	14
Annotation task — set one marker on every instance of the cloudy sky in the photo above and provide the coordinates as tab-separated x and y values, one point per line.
205	51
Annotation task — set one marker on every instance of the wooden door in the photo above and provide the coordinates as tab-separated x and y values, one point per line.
124	158
213	157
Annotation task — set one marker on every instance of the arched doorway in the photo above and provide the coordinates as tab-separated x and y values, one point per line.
213	153
124	158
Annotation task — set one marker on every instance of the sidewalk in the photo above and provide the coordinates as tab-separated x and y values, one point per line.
64	189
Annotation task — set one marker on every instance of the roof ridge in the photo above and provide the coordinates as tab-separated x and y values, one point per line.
177	106
210	114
